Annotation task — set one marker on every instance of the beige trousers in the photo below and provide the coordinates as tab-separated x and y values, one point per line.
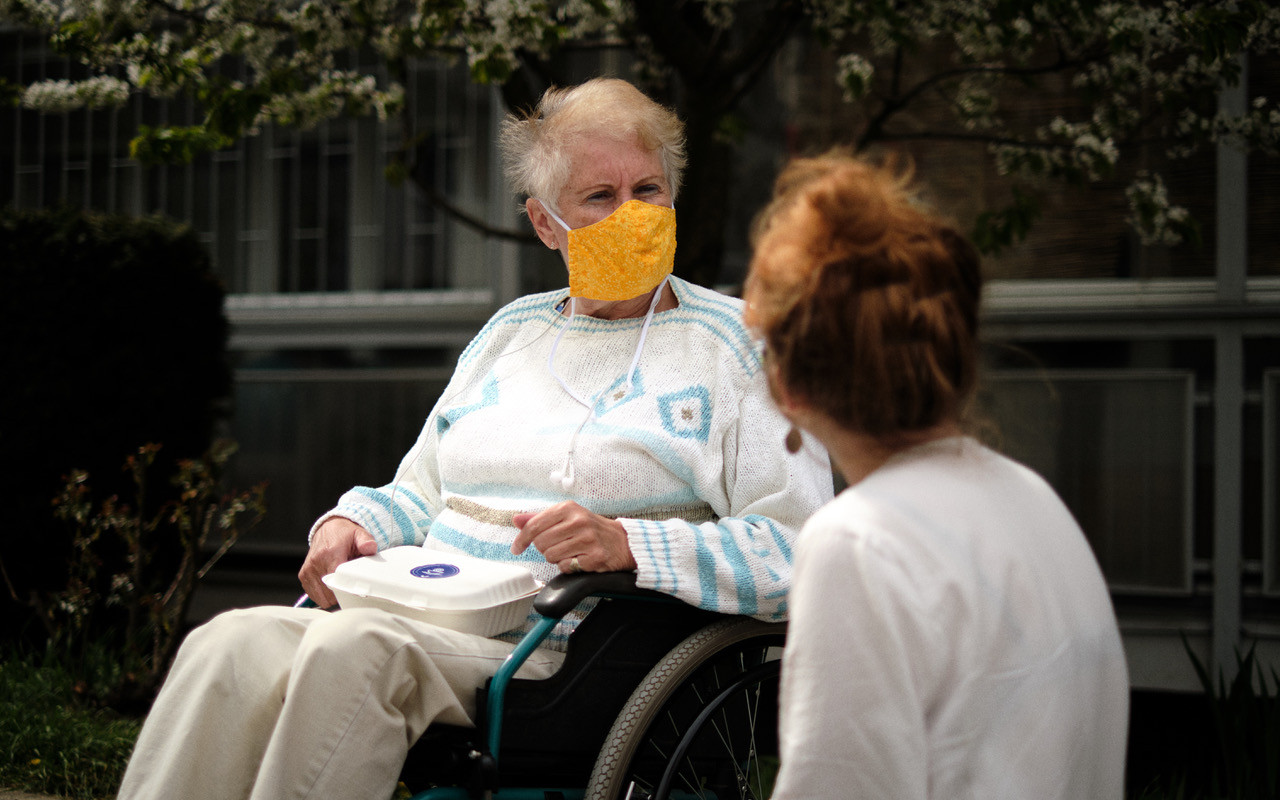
280	703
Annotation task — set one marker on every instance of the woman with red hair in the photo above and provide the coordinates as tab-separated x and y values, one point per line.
951	634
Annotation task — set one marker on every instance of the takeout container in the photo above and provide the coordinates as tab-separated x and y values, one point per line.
451	590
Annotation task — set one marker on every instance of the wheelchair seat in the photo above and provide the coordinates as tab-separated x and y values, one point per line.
651	690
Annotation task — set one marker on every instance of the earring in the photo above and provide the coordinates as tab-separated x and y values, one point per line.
793	440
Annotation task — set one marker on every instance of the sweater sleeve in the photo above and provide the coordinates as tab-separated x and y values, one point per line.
741	562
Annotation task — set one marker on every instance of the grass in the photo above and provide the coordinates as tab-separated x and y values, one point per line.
54	742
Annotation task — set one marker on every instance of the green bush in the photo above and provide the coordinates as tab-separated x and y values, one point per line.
114	337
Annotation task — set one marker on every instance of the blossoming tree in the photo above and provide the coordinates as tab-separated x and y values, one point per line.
1139	72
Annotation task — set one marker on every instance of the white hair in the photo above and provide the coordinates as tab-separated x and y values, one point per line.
535	146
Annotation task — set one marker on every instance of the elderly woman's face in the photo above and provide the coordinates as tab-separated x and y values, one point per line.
605	174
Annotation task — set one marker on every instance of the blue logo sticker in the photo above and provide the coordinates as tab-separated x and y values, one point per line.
434	571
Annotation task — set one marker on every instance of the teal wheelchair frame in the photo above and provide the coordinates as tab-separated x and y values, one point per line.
656	700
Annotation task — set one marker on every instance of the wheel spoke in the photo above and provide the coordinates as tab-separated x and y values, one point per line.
724	729
743	764
717	687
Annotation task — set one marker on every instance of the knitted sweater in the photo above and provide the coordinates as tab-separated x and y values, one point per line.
688	457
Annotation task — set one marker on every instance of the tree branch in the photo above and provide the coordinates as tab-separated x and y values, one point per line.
895	103
683	50
769	34
470	220
407	155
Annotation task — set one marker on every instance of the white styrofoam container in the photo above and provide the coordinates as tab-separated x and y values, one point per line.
451	590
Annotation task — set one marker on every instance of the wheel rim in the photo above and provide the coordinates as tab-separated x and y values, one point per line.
714	737
716	720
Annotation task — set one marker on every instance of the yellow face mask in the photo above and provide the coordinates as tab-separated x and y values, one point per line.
624	255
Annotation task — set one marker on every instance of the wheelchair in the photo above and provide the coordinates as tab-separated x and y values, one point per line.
656	699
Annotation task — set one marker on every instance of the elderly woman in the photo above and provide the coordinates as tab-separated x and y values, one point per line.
622	425
951	634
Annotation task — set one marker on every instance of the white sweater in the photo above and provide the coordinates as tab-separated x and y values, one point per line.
951	637
690	458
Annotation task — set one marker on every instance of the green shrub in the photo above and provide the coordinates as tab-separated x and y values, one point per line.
1246	730
1230	748
130	609
114	336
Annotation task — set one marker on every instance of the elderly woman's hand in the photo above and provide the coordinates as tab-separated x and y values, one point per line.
337	541
567	531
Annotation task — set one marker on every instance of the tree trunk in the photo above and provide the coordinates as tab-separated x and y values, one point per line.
713	68
701	210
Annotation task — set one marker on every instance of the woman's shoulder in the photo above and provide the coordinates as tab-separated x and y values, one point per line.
843	516
522	308
507	320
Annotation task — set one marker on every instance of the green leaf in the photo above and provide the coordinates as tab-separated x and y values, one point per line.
175	144
231	110
995	230
396	172
10	93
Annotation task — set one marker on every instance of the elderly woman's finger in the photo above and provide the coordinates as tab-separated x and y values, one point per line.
572	565
335	542
526	533
534	526
310	578
566	548
566	530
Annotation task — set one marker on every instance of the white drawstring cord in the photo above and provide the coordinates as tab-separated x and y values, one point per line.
551	356
565	475
644	332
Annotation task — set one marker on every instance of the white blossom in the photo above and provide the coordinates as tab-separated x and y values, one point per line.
854	73
976	104
1151	214
59	96
718	13
584	18
1145	67
336	93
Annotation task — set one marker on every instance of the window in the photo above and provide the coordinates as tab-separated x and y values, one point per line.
313	433
287	211
1117	446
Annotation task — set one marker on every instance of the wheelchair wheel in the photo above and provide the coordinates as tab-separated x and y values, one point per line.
703	722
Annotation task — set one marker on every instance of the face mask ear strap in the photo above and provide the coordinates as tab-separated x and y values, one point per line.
547	208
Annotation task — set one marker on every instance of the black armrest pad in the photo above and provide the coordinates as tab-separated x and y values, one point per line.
563	592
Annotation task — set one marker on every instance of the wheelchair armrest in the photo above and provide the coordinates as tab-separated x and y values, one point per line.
563	592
